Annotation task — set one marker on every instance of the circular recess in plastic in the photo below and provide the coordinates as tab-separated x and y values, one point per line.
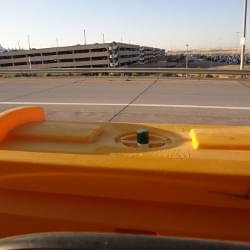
151	140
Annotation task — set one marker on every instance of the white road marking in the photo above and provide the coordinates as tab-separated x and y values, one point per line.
125	104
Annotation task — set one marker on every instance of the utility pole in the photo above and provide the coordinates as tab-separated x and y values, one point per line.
85	38
103	38
243	39
57	48
187	46
187	59
29	58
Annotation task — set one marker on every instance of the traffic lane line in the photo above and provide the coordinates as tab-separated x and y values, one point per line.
182	106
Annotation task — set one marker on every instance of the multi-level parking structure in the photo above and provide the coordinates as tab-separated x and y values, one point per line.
79	56
150	54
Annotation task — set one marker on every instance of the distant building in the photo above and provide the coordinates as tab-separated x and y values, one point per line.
81	56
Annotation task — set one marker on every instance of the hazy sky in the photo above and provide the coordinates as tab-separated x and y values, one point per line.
169	24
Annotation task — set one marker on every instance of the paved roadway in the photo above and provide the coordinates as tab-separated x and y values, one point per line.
132	99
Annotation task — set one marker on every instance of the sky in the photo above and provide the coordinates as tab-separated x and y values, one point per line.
168	24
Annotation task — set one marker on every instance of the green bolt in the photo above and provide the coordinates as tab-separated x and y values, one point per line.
142	137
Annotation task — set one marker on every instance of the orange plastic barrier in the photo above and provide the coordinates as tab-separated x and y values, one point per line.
188	181
17	117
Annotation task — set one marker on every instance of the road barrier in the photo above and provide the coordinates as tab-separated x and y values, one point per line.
125	71
169	180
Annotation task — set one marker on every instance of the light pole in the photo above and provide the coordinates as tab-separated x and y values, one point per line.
28	39
243	39
85	37
187	46
57	49
29	58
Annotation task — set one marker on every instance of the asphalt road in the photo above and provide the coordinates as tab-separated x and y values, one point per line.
144	100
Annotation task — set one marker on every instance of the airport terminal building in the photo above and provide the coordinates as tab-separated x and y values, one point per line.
81	56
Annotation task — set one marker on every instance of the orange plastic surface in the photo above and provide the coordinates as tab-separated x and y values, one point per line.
59	132
14	118
221	138
52	180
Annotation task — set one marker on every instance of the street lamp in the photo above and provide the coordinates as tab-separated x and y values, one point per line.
243	39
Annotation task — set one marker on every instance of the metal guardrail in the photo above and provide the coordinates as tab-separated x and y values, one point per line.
126	71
